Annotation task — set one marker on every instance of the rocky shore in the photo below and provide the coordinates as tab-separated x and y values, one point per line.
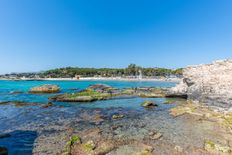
102	119
105	92
210	84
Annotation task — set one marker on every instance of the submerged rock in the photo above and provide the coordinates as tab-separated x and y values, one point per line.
212	147
148	104
87	95
179	149
100	88
117	116
19	103
49	104
155	135
89	145
104	92
45	89
5	135
3	151
151	92
15	92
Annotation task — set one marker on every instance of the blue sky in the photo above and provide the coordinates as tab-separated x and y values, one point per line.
43	34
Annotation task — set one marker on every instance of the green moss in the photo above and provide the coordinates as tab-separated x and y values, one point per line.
89	146
68	147
143	153
209	144
212	147
87	92
73	139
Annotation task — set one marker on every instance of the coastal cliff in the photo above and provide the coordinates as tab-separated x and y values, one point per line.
208	83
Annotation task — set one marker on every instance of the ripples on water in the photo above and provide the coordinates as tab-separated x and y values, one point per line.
19	120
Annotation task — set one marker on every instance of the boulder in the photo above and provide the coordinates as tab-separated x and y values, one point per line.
208	83
45	89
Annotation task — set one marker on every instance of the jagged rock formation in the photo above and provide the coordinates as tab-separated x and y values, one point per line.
210	83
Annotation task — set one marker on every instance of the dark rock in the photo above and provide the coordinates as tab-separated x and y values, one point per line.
176	95
3	151
188	82
5	135
48	105
148	104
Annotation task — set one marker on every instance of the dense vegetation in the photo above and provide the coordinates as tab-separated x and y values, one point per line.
131	70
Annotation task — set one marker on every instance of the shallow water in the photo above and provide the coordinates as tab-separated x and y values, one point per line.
40	130
24	122
7	88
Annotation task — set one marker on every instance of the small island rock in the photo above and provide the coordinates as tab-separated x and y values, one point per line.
45	89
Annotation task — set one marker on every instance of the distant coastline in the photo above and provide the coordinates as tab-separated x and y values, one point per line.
164	79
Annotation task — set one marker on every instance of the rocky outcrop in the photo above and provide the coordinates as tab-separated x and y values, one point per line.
105	92
210	84
45	89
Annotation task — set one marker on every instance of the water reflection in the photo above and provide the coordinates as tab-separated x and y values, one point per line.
17	142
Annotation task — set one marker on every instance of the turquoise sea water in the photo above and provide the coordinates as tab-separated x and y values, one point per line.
7	88
23	123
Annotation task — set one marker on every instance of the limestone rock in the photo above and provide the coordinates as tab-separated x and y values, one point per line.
209	83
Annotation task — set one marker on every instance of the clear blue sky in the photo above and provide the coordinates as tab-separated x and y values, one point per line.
37	35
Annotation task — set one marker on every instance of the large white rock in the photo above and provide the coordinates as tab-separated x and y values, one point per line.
209	83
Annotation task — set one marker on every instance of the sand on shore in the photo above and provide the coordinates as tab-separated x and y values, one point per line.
100	79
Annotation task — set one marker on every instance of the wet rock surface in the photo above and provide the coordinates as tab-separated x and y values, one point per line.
148	104
105	92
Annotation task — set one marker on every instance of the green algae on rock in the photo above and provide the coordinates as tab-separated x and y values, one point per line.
151	92
89	146
87	95
212	147
74	139
145	152
104	92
